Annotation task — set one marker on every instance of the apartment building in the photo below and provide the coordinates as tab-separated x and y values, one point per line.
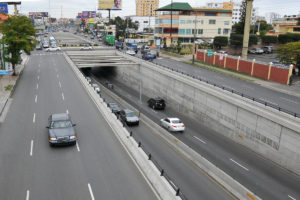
287	24
188	22
236	8
146	7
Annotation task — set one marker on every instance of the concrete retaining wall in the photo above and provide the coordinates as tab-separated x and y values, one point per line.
273	134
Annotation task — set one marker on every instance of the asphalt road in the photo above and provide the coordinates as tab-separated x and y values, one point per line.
285	101
191	180
96	168
261	176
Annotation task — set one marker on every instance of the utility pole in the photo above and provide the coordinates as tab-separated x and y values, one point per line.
16	9
247	28
195	30
171	20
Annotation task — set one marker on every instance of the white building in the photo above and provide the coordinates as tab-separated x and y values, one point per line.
144	22
236	11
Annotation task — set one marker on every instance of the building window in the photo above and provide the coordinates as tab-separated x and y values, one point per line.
200	31
181	31
210	14
182	21
225	31
226	22
188	21
188	31
145	22
212	21
219	30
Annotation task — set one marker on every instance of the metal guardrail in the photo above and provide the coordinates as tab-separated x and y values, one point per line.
268	104
150	157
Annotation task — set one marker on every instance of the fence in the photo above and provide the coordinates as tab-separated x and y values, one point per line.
278	73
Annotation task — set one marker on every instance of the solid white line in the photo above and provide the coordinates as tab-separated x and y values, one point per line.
38	77
59	84
154	111
239	164
291	197
67	111
27	195
77	147
33	120
35	100
63	97
31	147
91	192
199	139
37	86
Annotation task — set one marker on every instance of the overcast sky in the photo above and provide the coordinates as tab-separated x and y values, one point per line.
70	8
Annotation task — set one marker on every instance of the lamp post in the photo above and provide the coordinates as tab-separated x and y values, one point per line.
171	20
194	45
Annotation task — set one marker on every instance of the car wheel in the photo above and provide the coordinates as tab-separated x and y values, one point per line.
169	128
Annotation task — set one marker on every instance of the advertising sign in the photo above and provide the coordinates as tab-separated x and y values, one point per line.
109	4
3	8
88	14
38	14
210	52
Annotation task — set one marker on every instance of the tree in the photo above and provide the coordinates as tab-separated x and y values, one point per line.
18	33
298	21
289	53
122	26
220	41
272	16
243	16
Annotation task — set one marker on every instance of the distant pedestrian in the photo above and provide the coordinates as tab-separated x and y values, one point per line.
291	80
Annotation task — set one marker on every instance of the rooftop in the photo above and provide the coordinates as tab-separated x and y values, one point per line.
180	6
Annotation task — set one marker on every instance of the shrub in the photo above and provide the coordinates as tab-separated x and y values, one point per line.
268	39
289	37
237	40
220	41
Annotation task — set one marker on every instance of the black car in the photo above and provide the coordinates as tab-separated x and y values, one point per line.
61	130
157	103
129	117
114	108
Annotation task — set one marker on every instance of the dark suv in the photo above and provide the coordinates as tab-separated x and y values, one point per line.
61	129
157	103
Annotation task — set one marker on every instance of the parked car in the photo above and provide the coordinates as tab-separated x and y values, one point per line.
145	49
156	103
129	117
172	124
89	80
148	56
130	52
38	47
52	49
256	51
61	129
268	49
46	45
96	87
86	48
199	41
114	108
222	52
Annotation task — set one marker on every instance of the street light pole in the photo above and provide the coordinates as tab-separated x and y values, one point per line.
171	20
195	30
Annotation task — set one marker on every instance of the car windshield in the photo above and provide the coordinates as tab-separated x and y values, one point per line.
61	124
130	114
176	121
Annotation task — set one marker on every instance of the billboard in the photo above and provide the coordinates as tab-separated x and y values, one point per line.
38	14
3	8
88	14
109	4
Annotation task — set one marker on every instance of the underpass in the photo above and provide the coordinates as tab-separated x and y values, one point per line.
259	168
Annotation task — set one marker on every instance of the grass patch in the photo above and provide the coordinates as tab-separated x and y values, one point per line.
8	87
215	69
171	54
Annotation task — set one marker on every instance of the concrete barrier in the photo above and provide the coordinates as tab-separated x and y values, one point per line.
159	184
269	132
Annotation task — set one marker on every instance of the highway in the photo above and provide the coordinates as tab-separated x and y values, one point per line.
261	176
97	168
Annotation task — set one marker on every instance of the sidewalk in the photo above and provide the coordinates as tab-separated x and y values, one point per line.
7	86
293	90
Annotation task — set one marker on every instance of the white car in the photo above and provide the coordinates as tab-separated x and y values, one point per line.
86	48
130	52
96	87
172	124
53	49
